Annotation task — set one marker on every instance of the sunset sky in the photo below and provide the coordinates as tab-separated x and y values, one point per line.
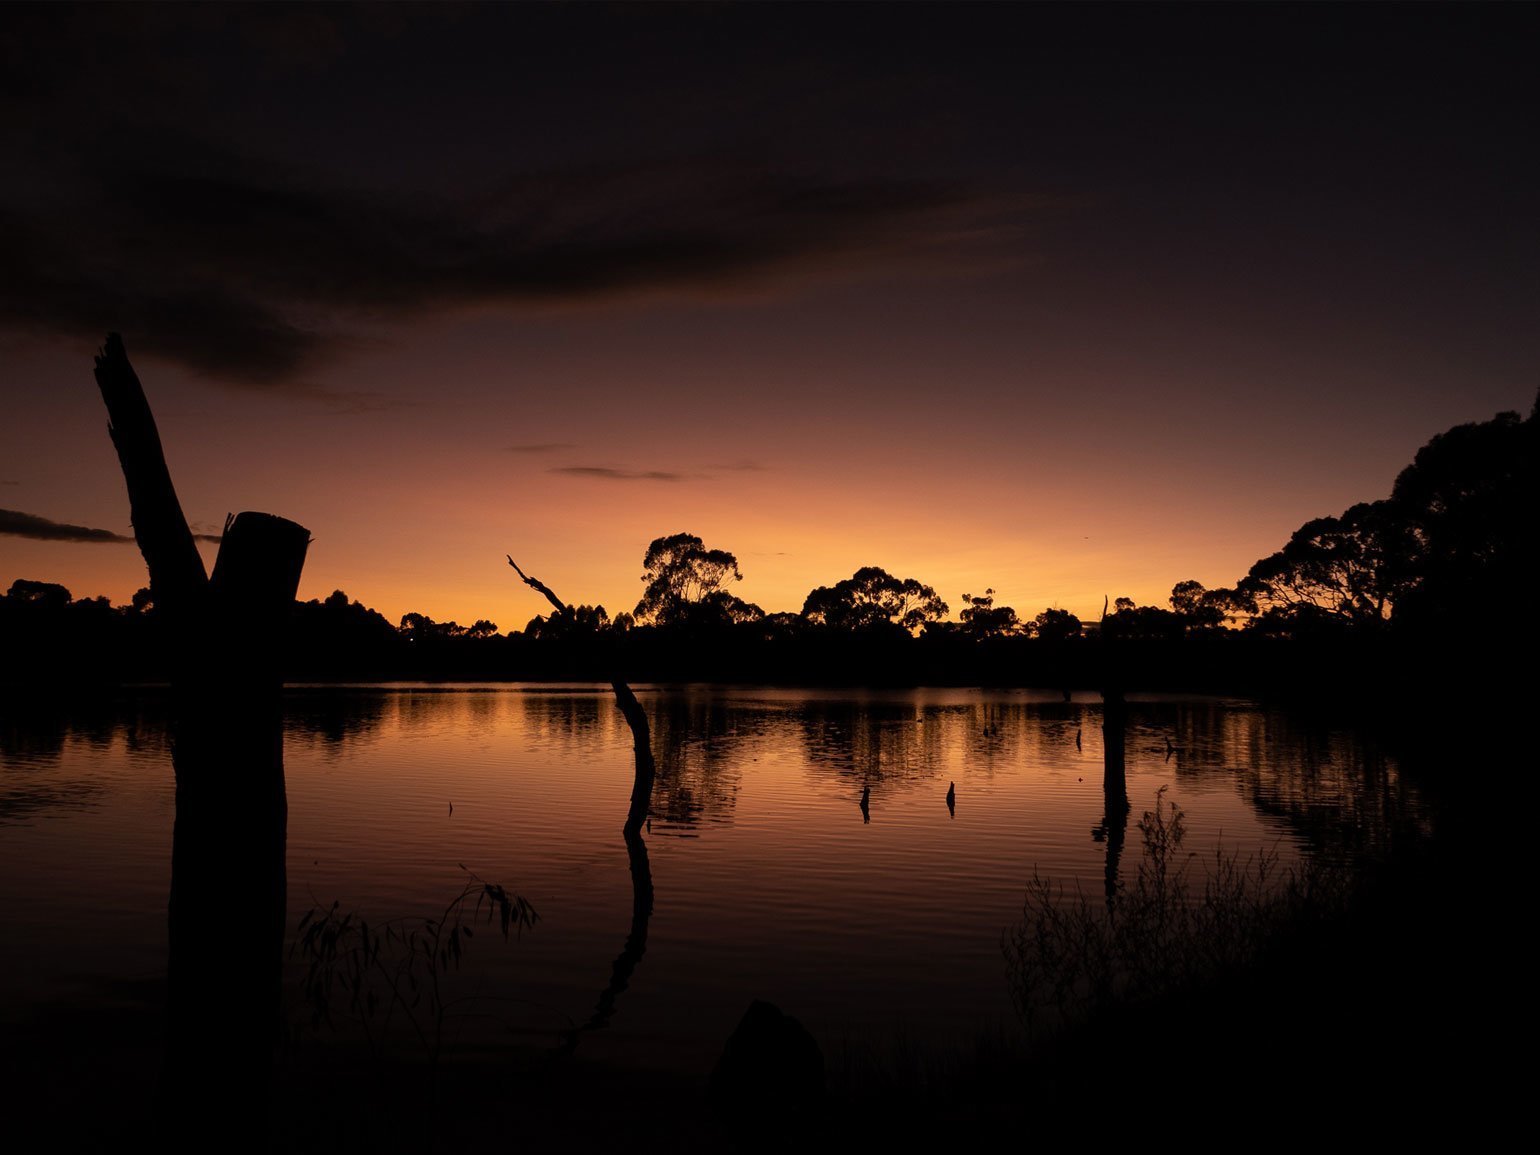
1063	301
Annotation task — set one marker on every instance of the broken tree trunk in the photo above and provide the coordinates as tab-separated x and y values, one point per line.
1114	739
227	906
636	718
177	578
635	946
1114	715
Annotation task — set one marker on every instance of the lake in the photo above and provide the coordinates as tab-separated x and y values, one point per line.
877	930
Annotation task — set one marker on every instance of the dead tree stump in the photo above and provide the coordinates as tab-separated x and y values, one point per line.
228	903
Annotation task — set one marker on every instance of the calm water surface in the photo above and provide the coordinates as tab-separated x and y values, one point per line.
768	882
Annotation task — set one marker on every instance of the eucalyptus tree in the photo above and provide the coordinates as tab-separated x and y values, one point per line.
681	574
871	598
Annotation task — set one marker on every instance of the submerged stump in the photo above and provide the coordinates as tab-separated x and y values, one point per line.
227	906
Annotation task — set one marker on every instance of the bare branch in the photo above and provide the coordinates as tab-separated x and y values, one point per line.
536	583
636	718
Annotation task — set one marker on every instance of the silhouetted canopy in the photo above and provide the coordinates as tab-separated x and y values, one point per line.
872	597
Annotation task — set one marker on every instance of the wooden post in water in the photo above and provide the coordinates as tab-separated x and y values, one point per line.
1114	765
227	905
1114	769
1114	716
1114	730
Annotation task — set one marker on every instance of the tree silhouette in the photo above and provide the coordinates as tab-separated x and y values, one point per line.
1199	608
871	598
570	622
1053	625
1130	620
984	619
681	574
43	595
1343	571
339	634
420	627
1468	502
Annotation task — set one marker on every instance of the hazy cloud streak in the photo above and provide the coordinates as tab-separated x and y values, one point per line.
17	524
611	474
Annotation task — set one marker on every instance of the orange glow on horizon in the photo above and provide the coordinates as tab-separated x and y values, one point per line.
413	504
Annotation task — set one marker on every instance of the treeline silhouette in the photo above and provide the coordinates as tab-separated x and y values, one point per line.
1432	571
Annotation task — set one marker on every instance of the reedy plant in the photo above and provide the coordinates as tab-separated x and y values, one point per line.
1072	956
375	975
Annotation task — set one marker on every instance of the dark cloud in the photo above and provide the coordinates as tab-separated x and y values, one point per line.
17	524
384	162
252	274
540	447
612	474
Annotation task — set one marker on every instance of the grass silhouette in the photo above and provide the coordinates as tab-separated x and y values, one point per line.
382	976
1073	958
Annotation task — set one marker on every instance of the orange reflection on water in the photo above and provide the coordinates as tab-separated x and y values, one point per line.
768	880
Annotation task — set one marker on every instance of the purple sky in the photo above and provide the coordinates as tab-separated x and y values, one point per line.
1063	301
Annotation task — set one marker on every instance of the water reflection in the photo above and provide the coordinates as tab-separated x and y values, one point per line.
630	956
568	719
334	720
1112	830
700	739
1347	801
775	887
876	741
1326	785
39	775
35	730
20	802
1340	795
